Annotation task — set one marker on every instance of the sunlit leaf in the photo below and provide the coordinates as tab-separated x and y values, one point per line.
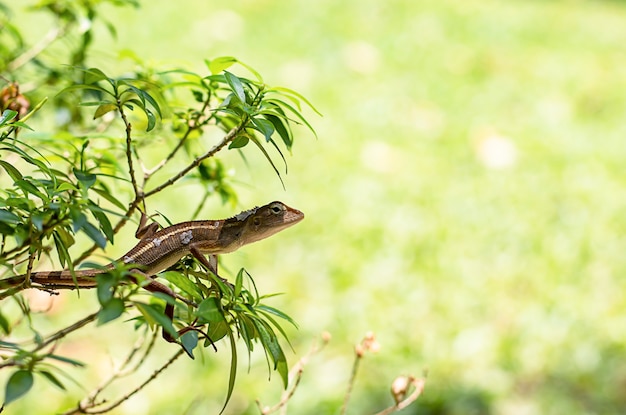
217	65
235	85
103	109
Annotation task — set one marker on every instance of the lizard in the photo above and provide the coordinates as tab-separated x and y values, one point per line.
157	249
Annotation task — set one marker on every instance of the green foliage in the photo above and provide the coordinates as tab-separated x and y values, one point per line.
81	181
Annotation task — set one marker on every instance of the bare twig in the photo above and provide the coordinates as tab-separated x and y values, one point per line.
196	162
129	153
295	374
368	343
80	409
399	389
36	49
123	370
193	124
56	336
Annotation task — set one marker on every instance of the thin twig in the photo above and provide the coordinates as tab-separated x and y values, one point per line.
124	398
192	125
56	336
195	163
36	49
418	385
123	370
355	369
129	153
295	375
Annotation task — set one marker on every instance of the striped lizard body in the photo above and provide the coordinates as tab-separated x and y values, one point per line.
158	250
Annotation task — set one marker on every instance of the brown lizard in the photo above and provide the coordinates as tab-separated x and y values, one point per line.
159	249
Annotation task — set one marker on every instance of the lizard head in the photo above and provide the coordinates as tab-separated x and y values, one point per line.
262	222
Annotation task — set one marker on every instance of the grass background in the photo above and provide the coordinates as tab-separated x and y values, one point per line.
465	201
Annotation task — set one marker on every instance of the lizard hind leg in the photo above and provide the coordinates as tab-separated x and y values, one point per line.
146	230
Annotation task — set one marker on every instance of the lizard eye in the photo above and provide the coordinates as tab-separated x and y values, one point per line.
276	209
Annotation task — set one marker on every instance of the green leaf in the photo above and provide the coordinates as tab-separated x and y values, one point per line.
85	178
61	246
239	142
93	75
182	282
264	126
108	196
283	105
151	119
270	343
9	217
210	311
106	282
233	369
155	315
21	125
78	218
238	283
19	383
11	170
104	109
282	130
189	342
37	218
28	187
269	159
4	324
110	311
217	65
103	220
217	331
276	312
7	115
79	87
64	359
236	86
285	91
52	379
94	234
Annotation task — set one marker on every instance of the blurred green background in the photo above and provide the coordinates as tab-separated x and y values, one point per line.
465	201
